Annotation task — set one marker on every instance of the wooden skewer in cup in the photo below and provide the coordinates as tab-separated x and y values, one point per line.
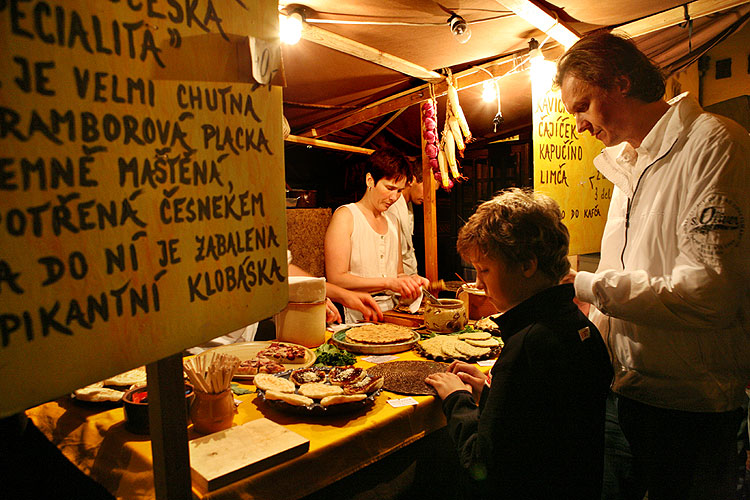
211	372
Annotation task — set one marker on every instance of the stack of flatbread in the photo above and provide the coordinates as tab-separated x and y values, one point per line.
385	333
469	346
113	388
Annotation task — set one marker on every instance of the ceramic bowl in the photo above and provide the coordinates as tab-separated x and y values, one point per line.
135	403
447	317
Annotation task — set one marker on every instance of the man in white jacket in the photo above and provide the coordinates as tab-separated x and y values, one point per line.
671	295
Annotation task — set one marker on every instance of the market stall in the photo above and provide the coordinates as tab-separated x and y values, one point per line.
143	203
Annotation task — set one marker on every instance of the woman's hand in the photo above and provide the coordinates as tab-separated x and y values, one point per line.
470	375
332	313
407	286
446	383
362	302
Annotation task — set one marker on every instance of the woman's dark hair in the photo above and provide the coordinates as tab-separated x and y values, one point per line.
388	163
516	226
600	58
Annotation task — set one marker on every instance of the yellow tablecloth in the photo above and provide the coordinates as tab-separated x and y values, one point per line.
98	443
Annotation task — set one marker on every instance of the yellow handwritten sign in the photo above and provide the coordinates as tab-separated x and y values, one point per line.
139	214
564	166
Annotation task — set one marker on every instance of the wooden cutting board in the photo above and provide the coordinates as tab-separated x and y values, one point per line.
224	457
403	319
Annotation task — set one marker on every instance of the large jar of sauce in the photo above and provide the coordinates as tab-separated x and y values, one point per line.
446	317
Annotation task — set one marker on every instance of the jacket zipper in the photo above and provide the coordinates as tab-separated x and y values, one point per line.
630	202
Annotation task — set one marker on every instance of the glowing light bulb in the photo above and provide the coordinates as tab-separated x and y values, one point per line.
290	28
489	92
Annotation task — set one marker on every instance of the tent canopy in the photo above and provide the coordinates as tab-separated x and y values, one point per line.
335	96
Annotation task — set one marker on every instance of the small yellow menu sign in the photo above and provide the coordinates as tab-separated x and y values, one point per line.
140	213
564	164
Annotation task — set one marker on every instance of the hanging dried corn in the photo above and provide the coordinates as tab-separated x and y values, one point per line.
449	146
456	132
455	107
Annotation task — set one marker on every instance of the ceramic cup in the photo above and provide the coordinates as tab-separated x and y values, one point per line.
212	412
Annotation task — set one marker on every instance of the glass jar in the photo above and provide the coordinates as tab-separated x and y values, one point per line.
212	412
447	317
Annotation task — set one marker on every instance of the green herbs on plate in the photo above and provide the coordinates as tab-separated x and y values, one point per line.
330	355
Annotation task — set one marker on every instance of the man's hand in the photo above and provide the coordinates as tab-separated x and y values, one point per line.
571	278
471	375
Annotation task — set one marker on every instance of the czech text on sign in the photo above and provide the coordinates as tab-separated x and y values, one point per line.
139	214
564	167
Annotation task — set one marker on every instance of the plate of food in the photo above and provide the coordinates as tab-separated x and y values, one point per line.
381	338
109	392
267	357
319	391
468	345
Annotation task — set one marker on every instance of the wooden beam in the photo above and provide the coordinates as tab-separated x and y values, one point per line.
542	19
465	79
167	416
362	51
380	127
675	16
318	143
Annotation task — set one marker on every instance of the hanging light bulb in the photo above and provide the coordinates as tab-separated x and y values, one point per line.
290	27
488	91
460	28
542	70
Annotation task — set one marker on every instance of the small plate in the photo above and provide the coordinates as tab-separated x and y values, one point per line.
316	408
339	340
249	350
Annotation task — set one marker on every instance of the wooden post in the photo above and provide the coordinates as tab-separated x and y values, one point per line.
430	213
167	417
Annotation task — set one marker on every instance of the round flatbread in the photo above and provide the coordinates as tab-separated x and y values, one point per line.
288	397
319	390
490	342
475	336
385	333
95	393
449	347
337	400
128	378
365	386
342	375
433	346
268	382
407	377
470	350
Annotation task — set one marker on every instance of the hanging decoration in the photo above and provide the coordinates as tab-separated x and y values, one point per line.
430	134
455	135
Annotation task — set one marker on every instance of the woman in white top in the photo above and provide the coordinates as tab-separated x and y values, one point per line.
362	246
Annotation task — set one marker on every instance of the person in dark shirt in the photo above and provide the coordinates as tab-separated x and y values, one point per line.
537	430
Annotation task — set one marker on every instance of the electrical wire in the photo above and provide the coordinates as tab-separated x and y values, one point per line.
396	23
